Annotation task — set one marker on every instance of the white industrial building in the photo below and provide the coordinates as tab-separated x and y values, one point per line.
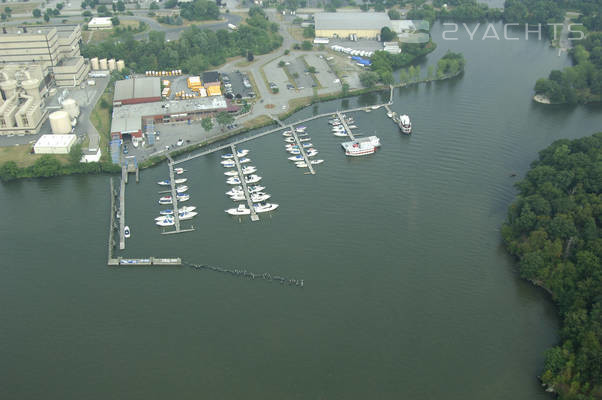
97	23
54	144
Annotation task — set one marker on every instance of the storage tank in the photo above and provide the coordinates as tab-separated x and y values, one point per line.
94	63
112	64
9	87
71	106
103	64
60	122
31	87
120	65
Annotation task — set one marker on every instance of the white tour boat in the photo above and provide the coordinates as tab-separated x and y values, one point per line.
405	125
361	146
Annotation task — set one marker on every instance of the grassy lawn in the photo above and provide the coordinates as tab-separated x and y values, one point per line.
103	34
22	157
101	119
254	84
187	23
297	33
258	121
21	8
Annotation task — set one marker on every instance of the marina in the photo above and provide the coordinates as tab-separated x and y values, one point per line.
343	120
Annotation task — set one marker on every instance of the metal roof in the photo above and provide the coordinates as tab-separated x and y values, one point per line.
351	21
137	88
128	117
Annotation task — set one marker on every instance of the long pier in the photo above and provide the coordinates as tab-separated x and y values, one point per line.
111	260
241	177
261	134
302	150
174	196
344	122
124	177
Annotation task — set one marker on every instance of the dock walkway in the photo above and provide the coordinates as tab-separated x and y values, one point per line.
241	177
124	177
343	120
302	150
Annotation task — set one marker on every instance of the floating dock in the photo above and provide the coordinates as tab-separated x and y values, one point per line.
254	216
174	201
124	179
302	150
344	122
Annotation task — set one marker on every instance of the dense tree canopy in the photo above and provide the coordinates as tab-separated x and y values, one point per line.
197	49
553	228
581	83
199	10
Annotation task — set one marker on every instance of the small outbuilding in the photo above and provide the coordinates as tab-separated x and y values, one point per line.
97	23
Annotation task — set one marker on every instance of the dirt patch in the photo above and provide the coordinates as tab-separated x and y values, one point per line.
270	106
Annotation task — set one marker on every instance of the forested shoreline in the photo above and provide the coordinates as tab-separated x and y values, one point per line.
553	229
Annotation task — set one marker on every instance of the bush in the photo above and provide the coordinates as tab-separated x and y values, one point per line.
306	45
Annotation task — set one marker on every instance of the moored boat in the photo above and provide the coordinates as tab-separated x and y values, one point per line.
126	232
180	180
405	125
361	146
166	221
296	158
164	183
264	207
182	189
240	210
179	171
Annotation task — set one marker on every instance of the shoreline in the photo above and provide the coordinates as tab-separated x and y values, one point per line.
104	168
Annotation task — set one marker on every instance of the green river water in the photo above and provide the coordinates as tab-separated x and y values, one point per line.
408	291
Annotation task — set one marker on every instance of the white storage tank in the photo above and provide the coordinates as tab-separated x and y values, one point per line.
112	64
94	63
120	65
60	122
71	106
31	87
103	64
9	87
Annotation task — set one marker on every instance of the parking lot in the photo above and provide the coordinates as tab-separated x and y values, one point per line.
298	70
324	74
236	80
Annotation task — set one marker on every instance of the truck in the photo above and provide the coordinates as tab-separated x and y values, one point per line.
232	26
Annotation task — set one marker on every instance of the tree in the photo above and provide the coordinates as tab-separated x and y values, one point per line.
311	69
37	13
224	118
345	88
207	123
281	64
115	21
46	17
9	170
306	45
171	3
386	34
369	78
403	76
154	6
394	14
309	32
75	154
120	6
59	6
430	72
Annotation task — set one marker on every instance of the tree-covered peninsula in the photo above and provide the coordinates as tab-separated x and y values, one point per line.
553	229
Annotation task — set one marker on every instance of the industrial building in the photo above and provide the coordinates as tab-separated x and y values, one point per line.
137	90
98	23
21	90
365	25
55	48
129	119
54	144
